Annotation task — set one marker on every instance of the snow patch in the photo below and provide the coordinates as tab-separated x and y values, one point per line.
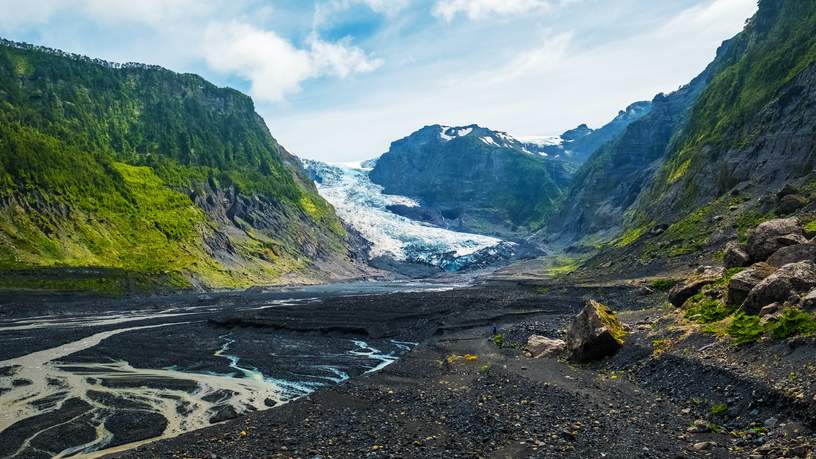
542	141
448	133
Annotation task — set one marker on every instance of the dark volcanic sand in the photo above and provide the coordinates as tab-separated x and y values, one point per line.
499	404
505	405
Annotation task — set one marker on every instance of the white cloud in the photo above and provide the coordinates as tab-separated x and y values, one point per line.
386	6
272	65
324	11
544	58
718	17
479	9
340	59
22	13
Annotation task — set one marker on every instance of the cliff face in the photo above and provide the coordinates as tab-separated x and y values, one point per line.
725	129
732	148
143	170
475	179
611	179
753	129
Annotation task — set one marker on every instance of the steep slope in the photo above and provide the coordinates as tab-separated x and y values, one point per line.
579	144
613	177
753	129
736	148
149	172
473	179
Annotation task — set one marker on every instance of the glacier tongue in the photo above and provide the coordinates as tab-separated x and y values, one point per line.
362	204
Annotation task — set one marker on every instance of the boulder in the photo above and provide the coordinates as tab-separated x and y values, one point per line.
735	255
222	413
705	275
595	333
743	282
541	346
790	203
772	235
808	302
786	190
793	254
788	283
770	309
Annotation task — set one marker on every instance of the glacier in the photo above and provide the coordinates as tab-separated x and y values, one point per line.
363	205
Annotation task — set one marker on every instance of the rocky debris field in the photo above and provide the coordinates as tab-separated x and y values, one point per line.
672	389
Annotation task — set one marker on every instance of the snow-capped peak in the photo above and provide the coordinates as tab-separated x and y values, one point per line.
449	133
542	140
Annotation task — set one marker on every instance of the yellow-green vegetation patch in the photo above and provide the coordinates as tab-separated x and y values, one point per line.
679	171
610	320
663	284
562	266
794	321
22	67
660	346
745	328
718	409
631	235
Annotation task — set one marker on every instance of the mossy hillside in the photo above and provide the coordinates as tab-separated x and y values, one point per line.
777	44
97	164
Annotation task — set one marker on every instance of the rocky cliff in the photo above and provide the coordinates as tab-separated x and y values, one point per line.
474	179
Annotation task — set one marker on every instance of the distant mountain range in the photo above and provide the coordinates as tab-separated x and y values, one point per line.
580	143
121	177
471	178
665	178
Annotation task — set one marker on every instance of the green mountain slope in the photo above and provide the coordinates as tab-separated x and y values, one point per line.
748	134
150	172
476	179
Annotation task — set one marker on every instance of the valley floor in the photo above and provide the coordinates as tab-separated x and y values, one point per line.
672	392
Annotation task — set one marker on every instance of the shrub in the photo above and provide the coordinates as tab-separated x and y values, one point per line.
745	328
704	309
793	321
718	409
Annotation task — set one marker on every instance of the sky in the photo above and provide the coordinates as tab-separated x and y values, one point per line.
339	80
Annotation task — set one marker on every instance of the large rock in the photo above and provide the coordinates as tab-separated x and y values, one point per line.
743	282
735	255
789	204
541	346
684	290
595	333
788	283
793	254
772	235
809	301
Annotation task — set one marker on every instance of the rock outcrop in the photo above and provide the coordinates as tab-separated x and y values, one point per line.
595	333
735	255
787	284
541	346
772	235
684	290
793	254
743	282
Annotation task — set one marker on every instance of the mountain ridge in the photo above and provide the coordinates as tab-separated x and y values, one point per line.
155	173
